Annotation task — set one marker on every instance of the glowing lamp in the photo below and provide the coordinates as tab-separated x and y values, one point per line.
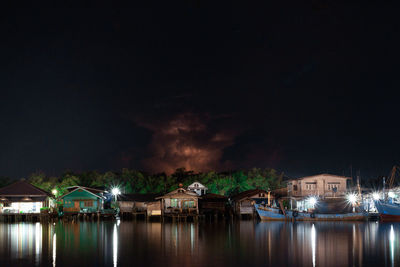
376	196
54	191
115	191
392	195
312	200
352	198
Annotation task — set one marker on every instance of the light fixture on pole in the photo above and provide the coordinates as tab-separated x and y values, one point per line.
115	191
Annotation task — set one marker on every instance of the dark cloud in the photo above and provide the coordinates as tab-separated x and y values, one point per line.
187	140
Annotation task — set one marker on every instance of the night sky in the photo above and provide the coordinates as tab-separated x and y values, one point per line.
303	89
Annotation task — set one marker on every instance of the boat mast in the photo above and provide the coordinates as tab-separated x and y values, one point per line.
383	190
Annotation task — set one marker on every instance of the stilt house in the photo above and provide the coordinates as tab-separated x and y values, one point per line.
81	199
23	197
180	201
146	203
243	203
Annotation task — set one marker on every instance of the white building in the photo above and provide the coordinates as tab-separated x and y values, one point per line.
321	185
198	188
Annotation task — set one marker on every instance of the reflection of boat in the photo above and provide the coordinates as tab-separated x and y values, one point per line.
271	214
387	210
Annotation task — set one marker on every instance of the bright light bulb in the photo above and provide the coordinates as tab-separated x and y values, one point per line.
54	191
115	191
312	200
352	198
376	196
392	195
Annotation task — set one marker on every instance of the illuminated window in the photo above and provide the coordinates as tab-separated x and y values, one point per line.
188	204
174	203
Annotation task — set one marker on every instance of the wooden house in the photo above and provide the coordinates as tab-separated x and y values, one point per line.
81	199
179	201
243	203
23	197
198	188
139	203
213	204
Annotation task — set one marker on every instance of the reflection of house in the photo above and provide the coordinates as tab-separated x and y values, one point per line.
198	188
22	197
142	203
180	201
243	203
212	204
83	199
322	185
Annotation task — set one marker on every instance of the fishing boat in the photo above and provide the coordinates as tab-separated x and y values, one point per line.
276	214
387	207
388	211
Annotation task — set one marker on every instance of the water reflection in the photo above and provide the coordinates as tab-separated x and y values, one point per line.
54	249
391	238
243	243
115	246
313	243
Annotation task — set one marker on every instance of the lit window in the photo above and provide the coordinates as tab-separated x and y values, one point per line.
188	204
174	203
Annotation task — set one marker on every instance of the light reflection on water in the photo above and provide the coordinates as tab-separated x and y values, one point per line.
313	244
244	243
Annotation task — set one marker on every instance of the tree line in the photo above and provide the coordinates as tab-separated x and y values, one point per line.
133	181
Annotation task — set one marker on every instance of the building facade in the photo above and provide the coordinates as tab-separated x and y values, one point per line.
321	185
83	200
180	201
147	203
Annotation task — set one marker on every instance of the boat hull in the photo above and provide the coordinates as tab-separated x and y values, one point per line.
389	218
273	214
388	211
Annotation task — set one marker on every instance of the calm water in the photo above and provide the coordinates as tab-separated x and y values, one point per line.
244	243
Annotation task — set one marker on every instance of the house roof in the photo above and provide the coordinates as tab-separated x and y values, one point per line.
180	193
91	190
85	189
22	188
322	174
138	197
201	186
246	194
